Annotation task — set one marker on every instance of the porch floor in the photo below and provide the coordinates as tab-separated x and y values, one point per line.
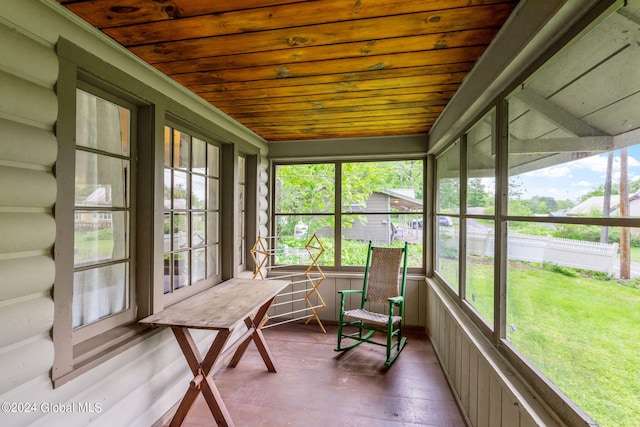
315	386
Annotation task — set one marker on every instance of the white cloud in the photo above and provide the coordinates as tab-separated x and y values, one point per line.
552	172
582	183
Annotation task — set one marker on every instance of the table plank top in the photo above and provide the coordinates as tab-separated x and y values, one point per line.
223	306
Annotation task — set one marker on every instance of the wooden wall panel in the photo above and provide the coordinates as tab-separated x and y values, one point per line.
489	395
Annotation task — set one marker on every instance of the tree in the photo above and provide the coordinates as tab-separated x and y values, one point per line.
477	195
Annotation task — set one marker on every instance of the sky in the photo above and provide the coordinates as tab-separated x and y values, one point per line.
570	181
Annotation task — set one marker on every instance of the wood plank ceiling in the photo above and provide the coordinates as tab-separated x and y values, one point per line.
299	70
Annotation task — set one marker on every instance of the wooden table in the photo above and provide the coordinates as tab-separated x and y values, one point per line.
222	308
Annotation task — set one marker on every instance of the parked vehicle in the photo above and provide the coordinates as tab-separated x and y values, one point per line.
443	221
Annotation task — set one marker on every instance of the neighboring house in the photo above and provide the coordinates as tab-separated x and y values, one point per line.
384	217
595	205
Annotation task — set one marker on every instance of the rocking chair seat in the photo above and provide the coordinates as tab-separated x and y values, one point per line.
369	317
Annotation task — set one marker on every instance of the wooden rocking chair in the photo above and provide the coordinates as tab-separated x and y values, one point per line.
385	277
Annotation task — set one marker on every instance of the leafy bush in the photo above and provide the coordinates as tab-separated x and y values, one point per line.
570	272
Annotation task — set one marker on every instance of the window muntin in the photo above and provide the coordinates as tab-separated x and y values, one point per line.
191	214
381	201
102	285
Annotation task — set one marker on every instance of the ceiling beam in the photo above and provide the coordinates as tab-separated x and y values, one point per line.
557	115
561	145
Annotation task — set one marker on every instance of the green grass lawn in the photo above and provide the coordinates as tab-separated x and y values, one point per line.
582	333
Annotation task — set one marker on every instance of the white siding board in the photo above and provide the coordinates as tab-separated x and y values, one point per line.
27	102
465	370
27	144
21	232
25	319
488	392
327	290
473	385
509	409
527	420
458	355
412	306
25	57
28	188
21	363
20	277
495	400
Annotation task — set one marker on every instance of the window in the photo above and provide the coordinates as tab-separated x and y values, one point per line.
96	293
379	201
573	301
191	210
447	211
552	174
480	210
304	205
102	261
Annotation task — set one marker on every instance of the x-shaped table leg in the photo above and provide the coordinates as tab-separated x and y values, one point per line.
258	338
201	382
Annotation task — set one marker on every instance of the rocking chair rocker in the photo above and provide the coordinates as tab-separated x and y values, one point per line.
385	277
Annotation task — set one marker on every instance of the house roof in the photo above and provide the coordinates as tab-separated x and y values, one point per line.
596	203
403	198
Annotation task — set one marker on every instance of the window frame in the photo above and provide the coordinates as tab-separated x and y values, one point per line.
85	332
76	353
337	211
193	288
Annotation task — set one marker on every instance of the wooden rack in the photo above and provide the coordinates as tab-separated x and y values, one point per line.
263	253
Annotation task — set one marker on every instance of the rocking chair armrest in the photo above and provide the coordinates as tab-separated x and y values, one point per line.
350	291
396	300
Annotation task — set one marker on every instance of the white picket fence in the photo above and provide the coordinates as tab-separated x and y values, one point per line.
580	254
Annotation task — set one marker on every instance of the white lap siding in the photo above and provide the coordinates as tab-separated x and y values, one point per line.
28	111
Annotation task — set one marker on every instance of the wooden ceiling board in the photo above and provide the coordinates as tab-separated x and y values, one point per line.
293	69
337	33
366	48
311	94
430	73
